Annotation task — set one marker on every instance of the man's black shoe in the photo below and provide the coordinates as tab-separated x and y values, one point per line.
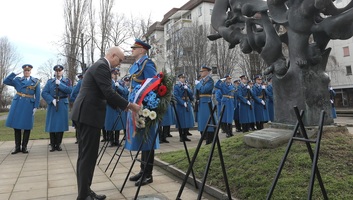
169	135
145	181
17	150
187	139
59	148
164	141
188	133
136	177
24	150
97	196
52	148
103	140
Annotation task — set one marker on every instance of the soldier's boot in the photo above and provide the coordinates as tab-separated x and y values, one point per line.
245	127
105	135
165	132
185	134
223	127
209	136
52	141
17	141
181	138
26	134
59	138
116	138
230	130
110	138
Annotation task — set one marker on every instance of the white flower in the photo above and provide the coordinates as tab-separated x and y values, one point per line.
141	123
140	111
153	115
146	112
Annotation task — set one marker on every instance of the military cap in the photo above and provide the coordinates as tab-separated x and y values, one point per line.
236	81
242	76
227	76
181	75
141	44
79	75
56	67
258	77
115	70
27	67
205	67
250	81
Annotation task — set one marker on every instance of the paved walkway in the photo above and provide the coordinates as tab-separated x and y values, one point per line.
51	175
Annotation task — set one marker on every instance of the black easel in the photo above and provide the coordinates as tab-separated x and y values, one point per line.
185	147
313	156
105	144
211	122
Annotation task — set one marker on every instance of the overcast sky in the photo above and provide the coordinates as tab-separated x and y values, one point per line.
34	26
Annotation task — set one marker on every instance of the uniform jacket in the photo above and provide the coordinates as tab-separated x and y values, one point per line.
96	91
269	102
260	111
246	112
75	91
205	87
21	112
227	91
185	114
57	120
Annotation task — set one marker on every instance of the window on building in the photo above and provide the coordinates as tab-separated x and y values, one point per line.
200	11
169	44
349	70
345	51
188	16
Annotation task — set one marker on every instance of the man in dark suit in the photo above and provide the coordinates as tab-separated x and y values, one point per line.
88	114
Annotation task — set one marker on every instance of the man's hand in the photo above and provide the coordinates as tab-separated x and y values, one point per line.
34	110
185	87
54	102
331	101
134	107
263	87
262	102
248	102
248	87
223	79
117	84
18	73
197	82
185	105
57	82
331	88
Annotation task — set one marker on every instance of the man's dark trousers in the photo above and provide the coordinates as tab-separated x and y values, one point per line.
88	146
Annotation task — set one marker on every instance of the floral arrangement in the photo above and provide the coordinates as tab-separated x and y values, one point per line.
154	103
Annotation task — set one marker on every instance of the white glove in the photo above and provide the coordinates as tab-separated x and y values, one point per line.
117	84
185	105
223	79
248	102
17	73
262	102
263	87
34	110
185	87
248	87
331	88
54	102
197	82
57	82
331	100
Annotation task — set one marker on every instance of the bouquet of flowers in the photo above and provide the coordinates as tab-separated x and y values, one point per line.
154	95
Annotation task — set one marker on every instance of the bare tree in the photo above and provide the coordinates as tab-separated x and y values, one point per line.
118	33
45	71
105	16
75	18
8	59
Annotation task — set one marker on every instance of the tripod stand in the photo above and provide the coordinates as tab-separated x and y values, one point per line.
211	122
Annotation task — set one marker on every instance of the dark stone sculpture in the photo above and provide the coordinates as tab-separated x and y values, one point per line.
307	27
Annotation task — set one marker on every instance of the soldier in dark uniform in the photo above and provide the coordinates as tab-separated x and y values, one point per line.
260	109
24	105
236	106
55	93
332	101
246	111
184	96
269	99
73	96
205	88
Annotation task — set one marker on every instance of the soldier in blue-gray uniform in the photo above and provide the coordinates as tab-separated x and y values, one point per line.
236	106
56	92
142	69
24	105
168	120
260	108
184	97
246	111
218	96
227	89
73	96
204	88
115	119
269	99
332	101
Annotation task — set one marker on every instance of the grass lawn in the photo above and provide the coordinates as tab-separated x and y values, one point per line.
251	171
38	131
